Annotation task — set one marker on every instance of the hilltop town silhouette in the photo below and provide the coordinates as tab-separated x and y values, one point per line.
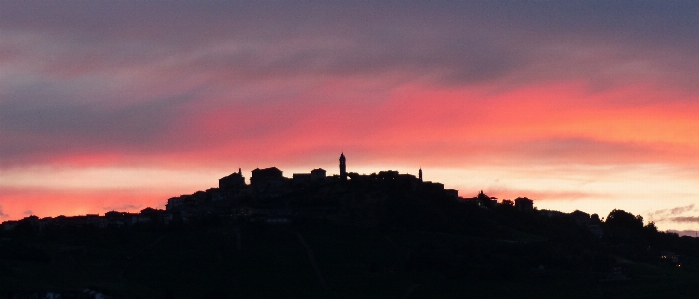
269	184
415	238
272	197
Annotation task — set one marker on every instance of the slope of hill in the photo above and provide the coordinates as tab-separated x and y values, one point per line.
352	239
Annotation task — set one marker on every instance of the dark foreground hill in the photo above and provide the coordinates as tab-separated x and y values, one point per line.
421	249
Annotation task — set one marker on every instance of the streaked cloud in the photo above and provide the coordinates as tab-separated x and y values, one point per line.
692	219
673	211
680	216
124	207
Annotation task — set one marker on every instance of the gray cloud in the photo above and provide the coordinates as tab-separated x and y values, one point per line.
467	42
2	214
680	210
685	219
663	213
123	207
28	212
33	128
676	214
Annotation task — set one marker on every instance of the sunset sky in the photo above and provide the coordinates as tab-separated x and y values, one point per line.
119	105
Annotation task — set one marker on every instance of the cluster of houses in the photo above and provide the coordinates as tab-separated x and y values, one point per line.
270	183
522	204
109	219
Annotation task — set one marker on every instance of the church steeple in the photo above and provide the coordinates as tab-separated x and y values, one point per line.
419	174
343	167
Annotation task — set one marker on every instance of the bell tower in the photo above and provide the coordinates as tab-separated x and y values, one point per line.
343	167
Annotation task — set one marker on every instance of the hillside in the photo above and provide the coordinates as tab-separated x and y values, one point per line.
384	243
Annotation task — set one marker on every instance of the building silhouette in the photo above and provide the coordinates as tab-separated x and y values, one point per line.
316	176
268	182
268	186
343	167
232	182
524	204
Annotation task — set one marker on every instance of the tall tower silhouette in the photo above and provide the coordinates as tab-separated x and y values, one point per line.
343	167
419	173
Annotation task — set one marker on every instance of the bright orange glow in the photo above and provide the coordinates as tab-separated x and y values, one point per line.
20	203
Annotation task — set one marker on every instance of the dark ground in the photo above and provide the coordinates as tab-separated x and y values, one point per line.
316	260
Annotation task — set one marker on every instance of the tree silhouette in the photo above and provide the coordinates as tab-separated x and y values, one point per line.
623	219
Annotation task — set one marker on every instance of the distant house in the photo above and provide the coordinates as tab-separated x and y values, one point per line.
9	225
234	181
482	200
388	175
174	203
301	178
524	204
318	174
670	257
470	200
430	186
268	182
453	193
191	200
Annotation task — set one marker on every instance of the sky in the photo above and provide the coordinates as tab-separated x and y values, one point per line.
120	105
